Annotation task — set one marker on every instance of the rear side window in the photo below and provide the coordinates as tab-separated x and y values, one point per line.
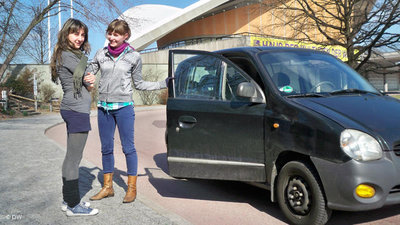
198	77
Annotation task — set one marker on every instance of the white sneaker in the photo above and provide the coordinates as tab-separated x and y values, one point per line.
65	205
81	210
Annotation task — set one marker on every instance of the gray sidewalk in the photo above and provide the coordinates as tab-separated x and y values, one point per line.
30	187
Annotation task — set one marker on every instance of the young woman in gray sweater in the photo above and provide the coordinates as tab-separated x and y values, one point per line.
68	65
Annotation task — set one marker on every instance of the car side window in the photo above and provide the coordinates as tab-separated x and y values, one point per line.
232	81
204	76
198	77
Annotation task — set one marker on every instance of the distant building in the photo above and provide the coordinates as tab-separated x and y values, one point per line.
388	79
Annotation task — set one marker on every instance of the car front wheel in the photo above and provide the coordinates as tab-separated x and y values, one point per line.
300	196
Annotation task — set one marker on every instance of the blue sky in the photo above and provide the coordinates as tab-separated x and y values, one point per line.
97	39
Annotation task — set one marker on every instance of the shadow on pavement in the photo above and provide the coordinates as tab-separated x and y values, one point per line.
161	162
159	123
86	179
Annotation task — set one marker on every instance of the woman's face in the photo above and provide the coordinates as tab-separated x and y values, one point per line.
116	39
76	39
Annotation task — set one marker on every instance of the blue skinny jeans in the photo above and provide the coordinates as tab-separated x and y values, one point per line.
124	119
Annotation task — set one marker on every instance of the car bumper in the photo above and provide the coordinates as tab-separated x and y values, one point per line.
341	179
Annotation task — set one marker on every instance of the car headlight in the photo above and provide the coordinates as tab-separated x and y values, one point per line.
359	145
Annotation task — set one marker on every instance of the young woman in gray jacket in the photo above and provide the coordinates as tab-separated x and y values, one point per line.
68	65
120	66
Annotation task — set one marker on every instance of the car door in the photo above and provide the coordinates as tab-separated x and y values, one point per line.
211	132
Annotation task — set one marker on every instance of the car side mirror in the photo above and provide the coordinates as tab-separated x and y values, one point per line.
249	90
246	90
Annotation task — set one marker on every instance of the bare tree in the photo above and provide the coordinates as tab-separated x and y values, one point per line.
150	97
36	45
7	10
36	19
94	12
362	27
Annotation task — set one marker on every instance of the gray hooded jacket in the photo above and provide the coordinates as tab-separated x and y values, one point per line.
117	75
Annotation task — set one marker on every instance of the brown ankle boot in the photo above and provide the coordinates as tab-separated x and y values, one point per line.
107	190
131	191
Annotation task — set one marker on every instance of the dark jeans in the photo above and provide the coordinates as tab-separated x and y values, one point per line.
124	118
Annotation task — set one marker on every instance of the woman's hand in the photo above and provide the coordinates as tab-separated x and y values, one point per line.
167	80
90	78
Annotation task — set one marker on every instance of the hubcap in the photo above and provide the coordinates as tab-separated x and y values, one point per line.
298	196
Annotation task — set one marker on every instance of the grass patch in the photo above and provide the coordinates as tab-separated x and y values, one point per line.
395	96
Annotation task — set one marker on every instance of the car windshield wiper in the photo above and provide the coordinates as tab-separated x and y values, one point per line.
306	95
352	91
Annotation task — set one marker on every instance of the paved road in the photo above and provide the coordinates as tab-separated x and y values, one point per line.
30	168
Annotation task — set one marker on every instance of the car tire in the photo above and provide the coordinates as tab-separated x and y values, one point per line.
300	195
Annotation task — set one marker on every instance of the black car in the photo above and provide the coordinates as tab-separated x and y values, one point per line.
299	121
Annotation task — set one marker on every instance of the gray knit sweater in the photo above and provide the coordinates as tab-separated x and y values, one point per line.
65	72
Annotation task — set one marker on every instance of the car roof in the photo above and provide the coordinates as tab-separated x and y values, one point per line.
257	49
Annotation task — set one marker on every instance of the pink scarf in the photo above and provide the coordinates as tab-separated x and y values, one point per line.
118	50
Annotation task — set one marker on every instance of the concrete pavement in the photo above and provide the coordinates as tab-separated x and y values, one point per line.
30	187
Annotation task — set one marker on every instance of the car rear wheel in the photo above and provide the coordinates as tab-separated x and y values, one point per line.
300	196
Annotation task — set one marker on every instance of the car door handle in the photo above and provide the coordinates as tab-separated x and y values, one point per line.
187	121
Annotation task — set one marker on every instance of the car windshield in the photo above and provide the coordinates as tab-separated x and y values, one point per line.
312	74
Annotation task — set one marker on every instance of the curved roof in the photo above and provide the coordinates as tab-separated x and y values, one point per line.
142	17
151	22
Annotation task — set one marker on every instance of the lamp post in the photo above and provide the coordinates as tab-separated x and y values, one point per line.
4	99
35	90
72	9
59	15
48	31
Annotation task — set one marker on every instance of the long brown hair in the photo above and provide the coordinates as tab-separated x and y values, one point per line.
70	26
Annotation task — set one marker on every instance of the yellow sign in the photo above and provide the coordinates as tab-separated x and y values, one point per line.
336	51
